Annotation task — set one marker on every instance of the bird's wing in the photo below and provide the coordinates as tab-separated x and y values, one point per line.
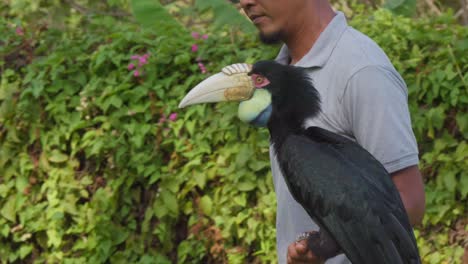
349	194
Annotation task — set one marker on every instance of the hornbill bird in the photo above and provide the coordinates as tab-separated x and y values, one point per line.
342	187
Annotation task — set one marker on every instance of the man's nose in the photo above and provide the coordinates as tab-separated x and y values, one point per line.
247	3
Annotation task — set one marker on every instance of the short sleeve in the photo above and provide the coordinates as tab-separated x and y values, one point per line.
375	105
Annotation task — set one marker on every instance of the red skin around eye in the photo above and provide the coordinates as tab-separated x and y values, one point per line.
259	81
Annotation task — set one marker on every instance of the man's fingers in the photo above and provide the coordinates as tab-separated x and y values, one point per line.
301	247
299	253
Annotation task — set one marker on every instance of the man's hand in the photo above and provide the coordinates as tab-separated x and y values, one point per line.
299	253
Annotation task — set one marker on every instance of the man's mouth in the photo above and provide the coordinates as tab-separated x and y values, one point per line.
256	19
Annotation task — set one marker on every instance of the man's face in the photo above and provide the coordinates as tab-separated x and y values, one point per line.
272	17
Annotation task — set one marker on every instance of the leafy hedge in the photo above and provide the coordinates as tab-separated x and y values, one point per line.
98	165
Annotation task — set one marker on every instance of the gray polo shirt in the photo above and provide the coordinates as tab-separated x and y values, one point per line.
363	98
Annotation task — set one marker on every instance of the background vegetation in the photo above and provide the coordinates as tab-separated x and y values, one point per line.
97	164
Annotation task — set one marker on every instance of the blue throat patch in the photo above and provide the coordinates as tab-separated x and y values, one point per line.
262	119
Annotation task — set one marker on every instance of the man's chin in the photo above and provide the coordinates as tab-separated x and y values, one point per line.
270	38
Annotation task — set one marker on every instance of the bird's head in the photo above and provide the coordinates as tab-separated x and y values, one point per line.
260	88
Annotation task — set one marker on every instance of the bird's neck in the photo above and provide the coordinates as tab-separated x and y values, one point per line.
290	109
280	130
284	123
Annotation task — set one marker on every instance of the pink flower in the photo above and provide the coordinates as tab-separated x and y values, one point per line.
162	119
136	73
205	36
173	116
142	60
19	31
202	67
195	35
194	48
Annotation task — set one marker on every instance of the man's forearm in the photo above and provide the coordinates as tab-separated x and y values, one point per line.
410	184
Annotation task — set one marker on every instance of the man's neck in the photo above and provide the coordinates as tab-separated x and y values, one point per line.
306	30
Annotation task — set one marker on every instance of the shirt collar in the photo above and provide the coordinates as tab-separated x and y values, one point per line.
322	49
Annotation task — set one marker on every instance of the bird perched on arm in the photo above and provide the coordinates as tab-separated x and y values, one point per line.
340	185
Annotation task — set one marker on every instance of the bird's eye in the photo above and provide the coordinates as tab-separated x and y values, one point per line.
259	81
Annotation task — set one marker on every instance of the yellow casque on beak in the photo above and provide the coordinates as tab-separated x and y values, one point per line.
231	84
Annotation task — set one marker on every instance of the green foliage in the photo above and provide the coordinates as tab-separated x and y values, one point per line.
145	12
402	7
96	168
90	174
225	14
62	14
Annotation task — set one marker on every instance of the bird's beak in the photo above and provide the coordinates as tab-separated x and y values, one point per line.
232	84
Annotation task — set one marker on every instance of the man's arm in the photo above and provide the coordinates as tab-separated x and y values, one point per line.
375	104
410	184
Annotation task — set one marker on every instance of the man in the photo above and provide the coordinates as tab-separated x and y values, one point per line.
363	98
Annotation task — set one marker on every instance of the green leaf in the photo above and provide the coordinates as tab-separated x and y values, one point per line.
246	186
154	177
257	165
21	183
190	126
182	59
244	154
463	185
115	101
4	230
57	157
462	122
9	209
4	190
461	153
170	201
401	7
25	250
159	210
200	179
206	204
225	14
240	200
37	86
449	180
152	15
